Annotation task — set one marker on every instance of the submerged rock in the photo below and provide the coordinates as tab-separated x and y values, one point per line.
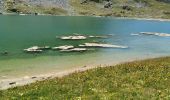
156	34
69	48
91	36
75	50
102	45
64	47
44	48
4	53
134	34
34	49
79	37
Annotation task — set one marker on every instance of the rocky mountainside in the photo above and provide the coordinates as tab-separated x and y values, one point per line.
118	8
55	7
64	4
1	6
124	8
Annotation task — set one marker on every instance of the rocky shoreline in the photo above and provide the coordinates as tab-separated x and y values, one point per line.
135	18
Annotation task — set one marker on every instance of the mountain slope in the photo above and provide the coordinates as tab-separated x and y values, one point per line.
118	8
124	8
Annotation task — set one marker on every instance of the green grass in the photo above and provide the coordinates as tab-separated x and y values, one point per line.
146	80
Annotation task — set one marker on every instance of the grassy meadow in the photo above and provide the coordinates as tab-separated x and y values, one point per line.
147	79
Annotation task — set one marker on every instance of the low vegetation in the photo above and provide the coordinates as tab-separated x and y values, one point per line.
148	79
124	8
115	8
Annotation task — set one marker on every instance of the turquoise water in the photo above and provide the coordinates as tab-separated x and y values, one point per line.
20	32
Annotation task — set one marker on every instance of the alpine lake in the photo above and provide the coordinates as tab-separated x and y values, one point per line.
20	32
